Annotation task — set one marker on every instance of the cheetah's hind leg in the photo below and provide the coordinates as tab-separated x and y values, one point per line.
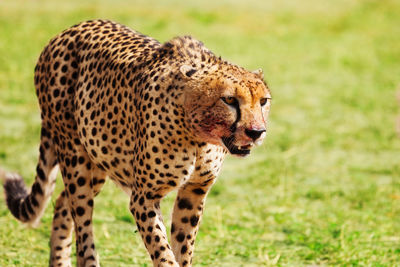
63	224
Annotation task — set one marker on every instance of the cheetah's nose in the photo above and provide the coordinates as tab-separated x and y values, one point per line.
254	133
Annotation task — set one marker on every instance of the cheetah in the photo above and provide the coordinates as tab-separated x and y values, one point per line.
153	117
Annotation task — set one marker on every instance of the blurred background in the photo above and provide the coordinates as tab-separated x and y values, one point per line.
323	190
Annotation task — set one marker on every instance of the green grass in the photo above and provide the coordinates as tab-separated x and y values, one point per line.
323	190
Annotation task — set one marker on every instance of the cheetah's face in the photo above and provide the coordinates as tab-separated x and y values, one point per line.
229	110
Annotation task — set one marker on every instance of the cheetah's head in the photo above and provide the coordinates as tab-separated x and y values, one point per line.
227	105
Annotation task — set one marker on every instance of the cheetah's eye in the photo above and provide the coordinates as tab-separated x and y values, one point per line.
230	100
264	101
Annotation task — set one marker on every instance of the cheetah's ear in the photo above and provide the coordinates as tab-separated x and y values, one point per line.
259	73
187	70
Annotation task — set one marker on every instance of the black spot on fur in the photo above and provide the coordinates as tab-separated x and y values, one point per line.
80	211
191	72
183	249
180	237
184	203
194	220
148	239
40	173
198	191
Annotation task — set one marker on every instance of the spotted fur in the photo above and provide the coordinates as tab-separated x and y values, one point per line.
152	117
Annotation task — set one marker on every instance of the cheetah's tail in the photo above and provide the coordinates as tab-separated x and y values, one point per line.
26	205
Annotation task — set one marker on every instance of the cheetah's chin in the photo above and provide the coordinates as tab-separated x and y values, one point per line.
240	151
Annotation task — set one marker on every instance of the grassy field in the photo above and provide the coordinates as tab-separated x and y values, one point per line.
323	190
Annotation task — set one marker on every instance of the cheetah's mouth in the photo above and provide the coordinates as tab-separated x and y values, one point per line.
236	150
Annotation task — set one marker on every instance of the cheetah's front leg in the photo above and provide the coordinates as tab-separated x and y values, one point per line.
146	211
186	217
